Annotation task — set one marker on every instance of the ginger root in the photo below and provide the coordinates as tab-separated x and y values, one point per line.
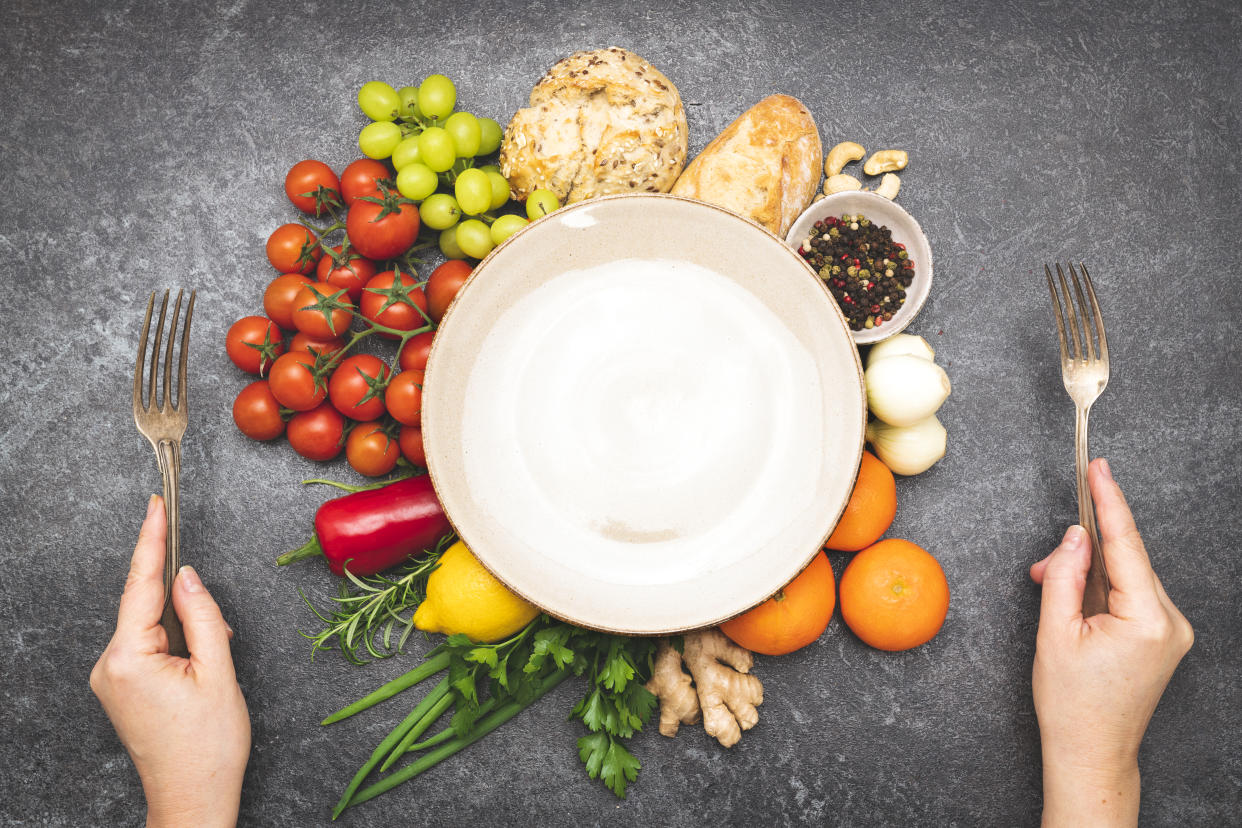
724	693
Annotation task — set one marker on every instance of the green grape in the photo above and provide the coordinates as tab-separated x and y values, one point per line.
490	168
406	152
416	181
464	128
439	211
379	139
474	238
436	149
408	95
489	142
378	101
473	191
500	188
448	244
540	203
437	96
506	226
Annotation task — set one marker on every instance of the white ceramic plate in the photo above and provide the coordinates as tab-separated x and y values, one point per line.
904	229
643	414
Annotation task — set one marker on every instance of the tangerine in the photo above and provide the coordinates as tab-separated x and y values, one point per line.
793	617
871	509
894	595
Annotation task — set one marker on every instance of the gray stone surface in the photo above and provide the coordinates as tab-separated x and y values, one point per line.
144	145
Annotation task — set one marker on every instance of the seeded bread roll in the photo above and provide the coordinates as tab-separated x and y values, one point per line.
765	166
598	123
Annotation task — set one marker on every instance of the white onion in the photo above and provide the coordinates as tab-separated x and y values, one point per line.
911	449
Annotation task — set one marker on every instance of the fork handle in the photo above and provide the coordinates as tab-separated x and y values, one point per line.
168	453
1095	597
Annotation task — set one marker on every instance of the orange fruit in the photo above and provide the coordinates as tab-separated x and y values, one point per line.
894	595
793	617
872	507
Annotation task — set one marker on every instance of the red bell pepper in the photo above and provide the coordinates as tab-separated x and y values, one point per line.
374	529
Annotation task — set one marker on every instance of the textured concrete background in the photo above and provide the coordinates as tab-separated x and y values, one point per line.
144	145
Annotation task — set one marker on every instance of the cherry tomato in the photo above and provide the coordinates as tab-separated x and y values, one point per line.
351	273
292	381
316	434
303	183
411	441
279	296
253	343
381	238
443	285
358	179
293	249
371	451
407	304
317	313
257	413
413	354
404	397
302	342
357	386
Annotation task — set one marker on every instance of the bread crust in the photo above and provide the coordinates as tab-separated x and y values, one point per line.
765	166
599	122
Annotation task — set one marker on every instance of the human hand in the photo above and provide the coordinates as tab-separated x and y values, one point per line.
1097	680
183	720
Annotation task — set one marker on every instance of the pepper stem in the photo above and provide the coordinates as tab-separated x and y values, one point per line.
307	550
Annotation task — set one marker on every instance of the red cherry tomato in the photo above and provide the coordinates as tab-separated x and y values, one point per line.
293	249
303	342
279	296
413	354
257	413
381	238
316	313
352	273
357	386
316	434
292	381
253	343
404	397
411	441
371	451
443	284
303	185
358	179
406	306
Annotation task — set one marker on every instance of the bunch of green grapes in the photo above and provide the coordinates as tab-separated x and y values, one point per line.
435	151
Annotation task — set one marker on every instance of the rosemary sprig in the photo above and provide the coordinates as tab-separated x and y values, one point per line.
368	611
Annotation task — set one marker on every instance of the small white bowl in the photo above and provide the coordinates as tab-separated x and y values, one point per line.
905	230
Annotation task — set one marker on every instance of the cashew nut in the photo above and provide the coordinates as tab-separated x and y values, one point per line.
886	161
841	182
890	185
840	155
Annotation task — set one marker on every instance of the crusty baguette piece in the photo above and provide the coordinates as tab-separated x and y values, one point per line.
599	122
765	166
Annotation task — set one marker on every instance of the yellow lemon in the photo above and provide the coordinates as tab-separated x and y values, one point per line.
463	597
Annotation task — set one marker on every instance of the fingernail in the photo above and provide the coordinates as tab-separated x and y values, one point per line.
1074	536
151	505
1104	468
229	627
189	579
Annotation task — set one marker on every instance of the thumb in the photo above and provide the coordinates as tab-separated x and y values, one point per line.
1065	578
206	632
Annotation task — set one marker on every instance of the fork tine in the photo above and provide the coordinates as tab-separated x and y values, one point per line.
1056	306
1071	313
155	355
1088	338
142	353
1095	311
185	349
168	352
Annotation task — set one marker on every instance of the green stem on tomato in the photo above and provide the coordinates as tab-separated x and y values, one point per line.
352	489
428	668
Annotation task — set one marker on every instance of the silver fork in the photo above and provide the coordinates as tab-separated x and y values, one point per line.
1085	374
164	424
